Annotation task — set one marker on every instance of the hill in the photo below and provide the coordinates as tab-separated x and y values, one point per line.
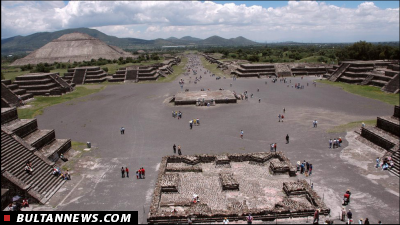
23	44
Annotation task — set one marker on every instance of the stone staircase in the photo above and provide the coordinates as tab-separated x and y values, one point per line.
43	141
339	71
386	135
79	76
255	70
83	75
367	80
39	186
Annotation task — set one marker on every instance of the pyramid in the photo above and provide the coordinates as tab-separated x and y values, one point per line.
72	47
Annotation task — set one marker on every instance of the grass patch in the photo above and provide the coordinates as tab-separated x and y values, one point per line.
366	91
213	68
76	146
351	126
42	102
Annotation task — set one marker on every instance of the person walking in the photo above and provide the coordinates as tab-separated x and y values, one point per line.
122	172
191	124
122	130
143	173
259	100
330	143
316	216
179	150
174	147
279	116
343	214
284	110
275	147
127	172
349	216
287	139
310	170
241	134
137	174
316	123
377	162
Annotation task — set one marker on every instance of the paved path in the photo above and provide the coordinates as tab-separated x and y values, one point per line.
150	132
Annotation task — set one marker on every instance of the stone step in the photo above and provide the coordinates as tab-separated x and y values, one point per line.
12	86
38	86
54	190
8	114
116	80
379	137
19	91
56	146
26	96
6	82
390	124
22	127
33	82
43	92
39	138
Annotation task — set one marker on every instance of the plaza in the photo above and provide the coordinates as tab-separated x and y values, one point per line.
150	132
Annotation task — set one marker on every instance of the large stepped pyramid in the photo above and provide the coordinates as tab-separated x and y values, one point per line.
44	141
386	135
376	73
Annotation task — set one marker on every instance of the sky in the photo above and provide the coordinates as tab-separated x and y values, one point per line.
262	21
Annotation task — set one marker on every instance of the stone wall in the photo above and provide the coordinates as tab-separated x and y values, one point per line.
376	139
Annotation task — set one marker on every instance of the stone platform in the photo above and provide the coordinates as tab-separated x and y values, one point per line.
191	97
246	183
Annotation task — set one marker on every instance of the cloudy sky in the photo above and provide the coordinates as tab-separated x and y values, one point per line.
268	21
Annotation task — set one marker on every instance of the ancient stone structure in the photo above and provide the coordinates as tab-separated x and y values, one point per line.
204	97
376	73
74	47
12	95
21	141
40	84
255	70
143	73
307	70
386	135
43	141
232	186
84	75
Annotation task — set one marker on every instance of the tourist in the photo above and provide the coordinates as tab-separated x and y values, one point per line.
10	207
302	168
330	143
279	116
340	141
313	123
198	121
366	221
287	139
127	172
272	147
334	142
25	203
179	150
360	221
143	173
191	124
259	100
63	158
122	172
122	130
349	216
310	170
284	110
377	162
137	174
241	134
349	194
316	123
28	168
67	175
316	216
343	214
225	221
362	124
174	147
275	147
249	219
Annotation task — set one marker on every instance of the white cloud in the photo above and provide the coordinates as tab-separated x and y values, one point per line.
297	21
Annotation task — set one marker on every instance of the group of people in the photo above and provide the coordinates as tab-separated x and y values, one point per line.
281	117
28	167
305	168
140	174
58	172
177	114
195	122
179	149
18	205
387	163
335	143
273	147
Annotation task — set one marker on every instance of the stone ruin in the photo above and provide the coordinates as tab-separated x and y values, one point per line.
386	135
383	74
143	73
26	86
21	140
84	75
202	98
232	186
